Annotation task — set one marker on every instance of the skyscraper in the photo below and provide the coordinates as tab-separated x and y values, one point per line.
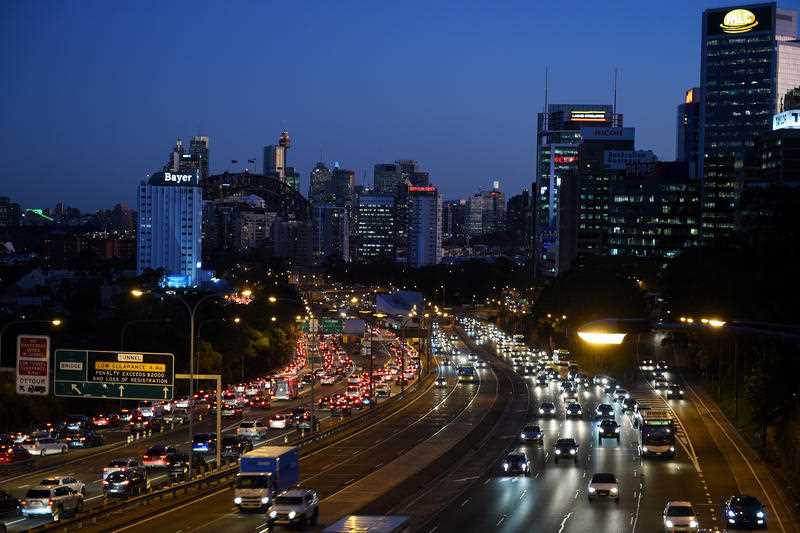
195	161
170	227
331	233
386	178
374	235
687	141
424	226
275	161
557	138
749	61
198	153
319	188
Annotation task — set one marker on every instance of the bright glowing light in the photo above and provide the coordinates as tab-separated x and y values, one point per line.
136	293
247	293
237	320
272	300
714	323
599	337
56	322
272	319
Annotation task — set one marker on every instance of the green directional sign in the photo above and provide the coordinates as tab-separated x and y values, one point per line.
122	375
327	326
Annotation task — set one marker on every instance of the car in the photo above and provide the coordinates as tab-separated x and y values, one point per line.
105	421
126	483
630	404
547	409
480	363
532	433
517	463
14	453
661	385
295	507
204	443
647	365
178	466
603	485
620	395
441	382
278	421
680	516
121	464
231	411
743	511
324	403
542	380
85	438
610	388
607	429
56	502
662	365
156	456
383	390
259	402
44	446
9	505
252	429
328	379
341	409
64	481
234	446
604	410
566	449
674	392
602	380
446	362
76	422
573	410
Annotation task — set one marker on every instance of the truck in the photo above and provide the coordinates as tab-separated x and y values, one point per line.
285	389
656	432
263	473
376	524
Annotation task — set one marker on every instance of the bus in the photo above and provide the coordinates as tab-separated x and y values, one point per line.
466	374
656	433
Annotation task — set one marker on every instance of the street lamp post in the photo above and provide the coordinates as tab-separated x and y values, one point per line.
54	322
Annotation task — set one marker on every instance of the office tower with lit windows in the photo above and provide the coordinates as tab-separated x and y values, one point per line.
169	234
687	136
386	178
424	226
557	139
750	59
374	232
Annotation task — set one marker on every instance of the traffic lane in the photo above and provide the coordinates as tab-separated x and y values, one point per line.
216	512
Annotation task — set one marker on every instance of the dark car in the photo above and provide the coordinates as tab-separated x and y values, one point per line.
14	453
156	456
573	410
744	512
547	409
141	424
77	422
566	449
177	466
630	404
532	433
82	439
9	505
517	463
234	446
125	483
605	410
542	380
607	429
340	410
674	392
204	443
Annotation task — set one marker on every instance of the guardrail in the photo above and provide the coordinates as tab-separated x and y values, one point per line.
225	473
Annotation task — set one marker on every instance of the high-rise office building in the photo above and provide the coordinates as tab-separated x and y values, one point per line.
169	232
195	161
424	226
750	59
10	213
198	153
374	235
342	185
454	216
386	178
687	137
319	189
331	233
486	211
557	138
518	213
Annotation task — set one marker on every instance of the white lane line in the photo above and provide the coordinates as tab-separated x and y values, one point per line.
465	502
171	510
94	497
564	522
502	519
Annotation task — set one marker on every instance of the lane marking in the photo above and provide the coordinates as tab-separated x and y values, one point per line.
171	510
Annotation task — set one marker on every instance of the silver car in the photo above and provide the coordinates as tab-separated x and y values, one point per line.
55	502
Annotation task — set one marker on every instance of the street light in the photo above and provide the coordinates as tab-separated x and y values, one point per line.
601	337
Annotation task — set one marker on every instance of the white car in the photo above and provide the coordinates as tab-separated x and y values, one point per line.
147	411
295	507
382	390
680	516
252	429
278	421
53	501
44	446
603	486
64	481
328	380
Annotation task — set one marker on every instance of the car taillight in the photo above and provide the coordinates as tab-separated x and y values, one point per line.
23	503
163	457
49	502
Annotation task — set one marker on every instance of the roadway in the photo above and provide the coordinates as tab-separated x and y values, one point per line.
337	466
553	497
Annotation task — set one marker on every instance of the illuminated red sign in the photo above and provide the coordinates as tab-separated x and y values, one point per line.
564	159
421	189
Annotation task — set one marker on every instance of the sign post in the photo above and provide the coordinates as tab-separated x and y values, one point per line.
121	375
33	365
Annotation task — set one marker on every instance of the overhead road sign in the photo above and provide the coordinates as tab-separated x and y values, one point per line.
122	375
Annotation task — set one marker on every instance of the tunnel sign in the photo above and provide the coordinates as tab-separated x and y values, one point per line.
123	375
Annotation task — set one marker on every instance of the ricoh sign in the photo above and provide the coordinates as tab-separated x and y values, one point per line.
607	134
174	179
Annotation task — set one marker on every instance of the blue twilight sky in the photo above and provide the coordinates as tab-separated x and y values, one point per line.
93	94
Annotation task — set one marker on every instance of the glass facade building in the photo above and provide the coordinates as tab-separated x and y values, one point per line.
375	228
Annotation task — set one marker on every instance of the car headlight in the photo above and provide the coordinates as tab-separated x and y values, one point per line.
644	448
669	523
591	489
522	435
264	499
680	392
616	430
672	448
693	523
505	466
731	514
614	490
558	452
237	500
273	514
760	514
541	411
572	452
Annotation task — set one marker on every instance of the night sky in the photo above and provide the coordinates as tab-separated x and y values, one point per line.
94	94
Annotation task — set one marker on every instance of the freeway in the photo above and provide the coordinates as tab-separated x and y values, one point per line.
554	496
337	466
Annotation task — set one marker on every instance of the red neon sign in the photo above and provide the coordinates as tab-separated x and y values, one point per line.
421	189
565	159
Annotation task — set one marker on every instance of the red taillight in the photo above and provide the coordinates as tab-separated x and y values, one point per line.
49	503
23	503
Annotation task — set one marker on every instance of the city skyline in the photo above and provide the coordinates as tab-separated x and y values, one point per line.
465	110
